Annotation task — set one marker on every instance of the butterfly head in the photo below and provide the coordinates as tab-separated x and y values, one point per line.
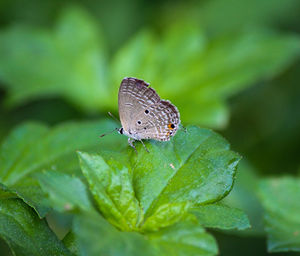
121	130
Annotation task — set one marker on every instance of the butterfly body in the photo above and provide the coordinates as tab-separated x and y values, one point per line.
143	114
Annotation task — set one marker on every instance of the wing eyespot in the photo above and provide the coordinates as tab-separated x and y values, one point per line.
139	122
171	126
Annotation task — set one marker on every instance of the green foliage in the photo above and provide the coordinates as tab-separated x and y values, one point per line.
71	243
21	156
5	193
19	139
53	144
64	63
110	184
221	16
212	70
221	216
89	228
147	196
181	60
244	196
127	192
184	239
25	233
155	189
66	192
280	199
69	61
185	169
180	239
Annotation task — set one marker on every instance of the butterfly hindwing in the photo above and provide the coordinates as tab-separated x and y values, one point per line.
160	123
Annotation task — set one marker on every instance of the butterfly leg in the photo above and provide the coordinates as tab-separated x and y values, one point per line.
144	146
130	142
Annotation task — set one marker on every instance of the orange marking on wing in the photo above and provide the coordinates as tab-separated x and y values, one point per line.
171	126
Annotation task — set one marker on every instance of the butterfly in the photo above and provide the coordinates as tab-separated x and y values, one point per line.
143	114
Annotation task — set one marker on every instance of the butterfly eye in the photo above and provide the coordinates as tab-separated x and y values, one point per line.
146	111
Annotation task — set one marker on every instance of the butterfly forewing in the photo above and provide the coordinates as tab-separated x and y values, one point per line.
134	95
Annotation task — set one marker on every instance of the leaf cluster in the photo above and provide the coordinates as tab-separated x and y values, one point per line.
178	198
153	202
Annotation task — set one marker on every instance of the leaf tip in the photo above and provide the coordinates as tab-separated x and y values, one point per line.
80	154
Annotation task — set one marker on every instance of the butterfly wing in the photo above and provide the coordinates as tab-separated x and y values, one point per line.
135	96
143	114
160	122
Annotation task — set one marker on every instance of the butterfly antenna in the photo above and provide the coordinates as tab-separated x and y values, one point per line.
183	127
116	129
102	135
113	117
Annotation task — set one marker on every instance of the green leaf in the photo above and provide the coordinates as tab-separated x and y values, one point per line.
71	243
196	166
186	61
16	144
280	199
186	40
97	237
68	61
110	183
180	239
21	156
221	216
166	215
5	193
221	82
65	192
25	233
241	59
183	239
244	196
133	57
29	190
184	65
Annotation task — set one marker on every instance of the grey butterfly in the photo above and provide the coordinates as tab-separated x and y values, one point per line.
143	114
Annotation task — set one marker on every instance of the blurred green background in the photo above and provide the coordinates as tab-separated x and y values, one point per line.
229	65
